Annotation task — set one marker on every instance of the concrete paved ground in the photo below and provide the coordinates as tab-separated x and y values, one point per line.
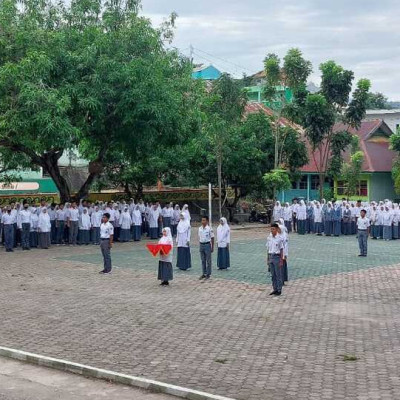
334	334
22	381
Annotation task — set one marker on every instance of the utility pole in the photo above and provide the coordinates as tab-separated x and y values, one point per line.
191	52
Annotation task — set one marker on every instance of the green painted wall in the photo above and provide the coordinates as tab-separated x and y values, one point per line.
382	186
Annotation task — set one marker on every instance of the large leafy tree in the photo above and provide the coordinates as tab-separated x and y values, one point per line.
322	110
90	77
378	101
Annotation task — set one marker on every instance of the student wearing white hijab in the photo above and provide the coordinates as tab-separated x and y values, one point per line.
95	220
125	222
165	272
184	258
84	227
137	224
387	220
278	212
287	217
223	241
44	229
154	216
33	237
396	219
301	218
373	217
285	236
318	219
186	212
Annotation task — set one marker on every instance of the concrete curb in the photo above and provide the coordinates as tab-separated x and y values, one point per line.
80	369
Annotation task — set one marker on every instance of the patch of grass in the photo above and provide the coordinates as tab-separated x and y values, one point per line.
349	357
221	360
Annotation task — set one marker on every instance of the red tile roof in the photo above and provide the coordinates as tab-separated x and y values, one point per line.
377	155
253	107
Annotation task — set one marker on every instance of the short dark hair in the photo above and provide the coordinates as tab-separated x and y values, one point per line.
107	215
274	226
205	217
363	211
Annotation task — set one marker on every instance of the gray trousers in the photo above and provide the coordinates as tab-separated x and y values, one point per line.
8	236
60	232
205	255
73	231
25	235
275	269
362	242
106	252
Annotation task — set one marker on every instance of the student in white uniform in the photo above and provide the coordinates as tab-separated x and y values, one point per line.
33	237
223	242
95	220
106	242
363	231
73	224
7	220
165	271
275	246
84	227
206	238
137	223
44	229
184	258
60	224
24	224
125	222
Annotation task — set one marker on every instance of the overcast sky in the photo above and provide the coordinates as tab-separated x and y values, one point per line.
361	35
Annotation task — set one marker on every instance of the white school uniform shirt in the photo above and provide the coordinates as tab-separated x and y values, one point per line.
275	244
387	218
125	220
205	234
318	214
106	230
24	217
14	214
95	218
7	219
223	235
34	222
44	223
61	215
287	213
52	214
362	223
153	218
73	214
137	217
84	222
183	234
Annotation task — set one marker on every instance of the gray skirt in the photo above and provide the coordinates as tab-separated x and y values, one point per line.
223	259
125	235
387	232
184	258
137	233
165	272
44	240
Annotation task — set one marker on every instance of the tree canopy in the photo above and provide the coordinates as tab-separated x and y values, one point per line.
89	77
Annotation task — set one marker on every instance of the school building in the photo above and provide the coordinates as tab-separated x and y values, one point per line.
376	179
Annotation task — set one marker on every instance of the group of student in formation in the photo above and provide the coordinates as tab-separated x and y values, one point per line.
40	226
339	218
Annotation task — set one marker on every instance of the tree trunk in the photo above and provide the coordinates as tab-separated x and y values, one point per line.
50	165
232	207
321	186
139	193
127	190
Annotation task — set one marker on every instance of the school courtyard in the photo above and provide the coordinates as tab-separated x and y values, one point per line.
333	334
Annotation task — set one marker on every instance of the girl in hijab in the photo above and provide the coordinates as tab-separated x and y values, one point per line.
284	233
223	240
33	235
278	212
184	259
44	229
186	212
165	273
84	227
175	219
154	216
387	220
137	224
347	220
318	219
328	217
373	218
301	218
125	222
287	217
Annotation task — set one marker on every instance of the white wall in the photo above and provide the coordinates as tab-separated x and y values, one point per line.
391	117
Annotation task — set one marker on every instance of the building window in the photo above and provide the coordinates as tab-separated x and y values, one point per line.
303	182
362	189
314	182
294	185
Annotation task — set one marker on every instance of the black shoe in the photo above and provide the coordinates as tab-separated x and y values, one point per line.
202	277
102	272
162	284
278	293
273	293
360	255
207	277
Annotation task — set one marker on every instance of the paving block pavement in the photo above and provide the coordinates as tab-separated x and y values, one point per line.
334	334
